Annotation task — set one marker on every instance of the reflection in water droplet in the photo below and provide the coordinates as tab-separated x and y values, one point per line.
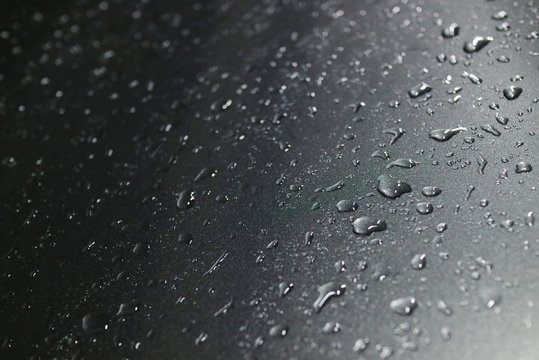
285	288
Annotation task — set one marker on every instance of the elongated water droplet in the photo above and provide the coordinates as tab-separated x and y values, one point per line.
419	261
337	186
326	292
431	191
445	134
365	225
420	89
285	288
491	130
185	199
403	163
477	43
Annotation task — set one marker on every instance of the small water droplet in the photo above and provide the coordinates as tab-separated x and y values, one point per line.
424	208
451	31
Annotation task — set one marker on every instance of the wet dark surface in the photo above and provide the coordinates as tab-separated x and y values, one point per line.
170	174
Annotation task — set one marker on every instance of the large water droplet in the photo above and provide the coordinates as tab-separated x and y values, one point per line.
477	43
523	167
365	225
391	187
431	191
512	92
404	305
424	208
445	134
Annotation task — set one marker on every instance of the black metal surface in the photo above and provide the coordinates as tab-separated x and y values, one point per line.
111	110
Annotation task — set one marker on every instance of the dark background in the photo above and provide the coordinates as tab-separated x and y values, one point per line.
109	110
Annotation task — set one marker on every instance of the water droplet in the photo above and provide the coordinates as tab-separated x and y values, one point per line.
360	345
420	89
185	238
94	322
477	43
185	199
512	92
391	187
490	129
441	227
431	191
419	261
500	15
444	308
530	219
403	163
396	133
365	225
326	292
491	296
451	31
382	154
523	167
445	134
404	305
285	288
309	235
346	206
501	120
331	327
278	331
424	208
337	186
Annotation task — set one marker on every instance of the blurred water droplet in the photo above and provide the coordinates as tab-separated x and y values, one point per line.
512	92
477	43
326	292
404	305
